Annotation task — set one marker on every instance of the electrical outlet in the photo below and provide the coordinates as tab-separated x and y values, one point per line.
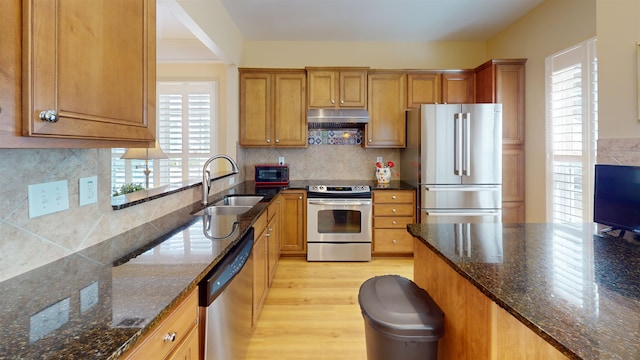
47	198
379	159
281	160
88	190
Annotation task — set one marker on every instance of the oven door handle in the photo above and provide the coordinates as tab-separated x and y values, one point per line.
337	203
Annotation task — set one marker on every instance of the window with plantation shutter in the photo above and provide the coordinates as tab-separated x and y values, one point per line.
186	126
571	126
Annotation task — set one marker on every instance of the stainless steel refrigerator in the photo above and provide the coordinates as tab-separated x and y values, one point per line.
454	156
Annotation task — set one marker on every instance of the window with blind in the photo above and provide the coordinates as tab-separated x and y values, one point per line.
186	127
571	127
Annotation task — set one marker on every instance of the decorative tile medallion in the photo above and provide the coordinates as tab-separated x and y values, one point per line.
335	137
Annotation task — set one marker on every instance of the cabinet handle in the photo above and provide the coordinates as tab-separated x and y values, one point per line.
393	210
394	222
267	235
341	102
300	197
393	197
268	141
277	141
394	241
370	140
49	116
170	337
333	101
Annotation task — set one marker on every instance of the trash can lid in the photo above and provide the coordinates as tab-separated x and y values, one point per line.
398	306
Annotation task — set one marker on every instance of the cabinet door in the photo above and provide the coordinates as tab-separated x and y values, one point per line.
189	349
322	89
255	109
458	87
353	89
423	88
510	93
93	64
294	219
290	120
274	238
386	98
260	274
512	171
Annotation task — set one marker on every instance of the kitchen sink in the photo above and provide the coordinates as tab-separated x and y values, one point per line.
239	200
223	210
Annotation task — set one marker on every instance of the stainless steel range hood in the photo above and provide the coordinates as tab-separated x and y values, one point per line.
341	118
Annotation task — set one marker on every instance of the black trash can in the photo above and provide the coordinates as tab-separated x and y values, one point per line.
401	320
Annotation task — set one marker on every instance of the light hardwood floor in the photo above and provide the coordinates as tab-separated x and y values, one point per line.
312	310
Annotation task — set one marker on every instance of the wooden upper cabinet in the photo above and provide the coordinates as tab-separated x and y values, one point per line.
423	88
337	87
93	65
386	105
502	81
458	87
273	108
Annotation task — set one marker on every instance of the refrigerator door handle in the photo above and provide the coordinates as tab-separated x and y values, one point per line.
466	144
457	144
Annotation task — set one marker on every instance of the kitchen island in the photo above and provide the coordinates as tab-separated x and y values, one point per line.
531	291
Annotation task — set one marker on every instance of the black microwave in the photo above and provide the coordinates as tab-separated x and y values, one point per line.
272	175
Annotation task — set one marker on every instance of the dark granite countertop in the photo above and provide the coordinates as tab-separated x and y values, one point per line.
578	291
97	303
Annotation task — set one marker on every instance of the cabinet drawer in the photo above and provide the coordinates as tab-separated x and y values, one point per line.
180	321
392	241
394	197
395	222
393	210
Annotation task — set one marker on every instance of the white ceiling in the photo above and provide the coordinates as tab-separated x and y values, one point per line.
350	20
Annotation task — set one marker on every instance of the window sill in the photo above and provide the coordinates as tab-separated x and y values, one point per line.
124	201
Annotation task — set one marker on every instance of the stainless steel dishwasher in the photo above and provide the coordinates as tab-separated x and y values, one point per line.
226	296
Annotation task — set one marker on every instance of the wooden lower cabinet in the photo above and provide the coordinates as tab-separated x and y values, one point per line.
176	337
475	327
293	234
260	256
273	230
513	205
392	211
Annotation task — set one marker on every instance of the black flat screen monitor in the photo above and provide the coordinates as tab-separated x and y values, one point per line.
616	200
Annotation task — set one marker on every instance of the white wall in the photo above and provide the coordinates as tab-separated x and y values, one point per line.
378	55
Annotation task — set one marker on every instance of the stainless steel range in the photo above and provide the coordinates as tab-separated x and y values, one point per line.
339	223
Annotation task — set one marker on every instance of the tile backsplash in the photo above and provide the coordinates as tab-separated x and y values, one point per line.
323	162
26	244
619	151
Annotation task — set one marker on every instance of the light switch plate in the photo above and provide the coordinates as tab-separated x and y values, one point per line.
281	160
47	198
379	159
88	190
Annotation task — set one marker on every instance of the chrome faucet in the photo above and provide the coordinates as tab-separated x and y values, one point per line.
206	175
